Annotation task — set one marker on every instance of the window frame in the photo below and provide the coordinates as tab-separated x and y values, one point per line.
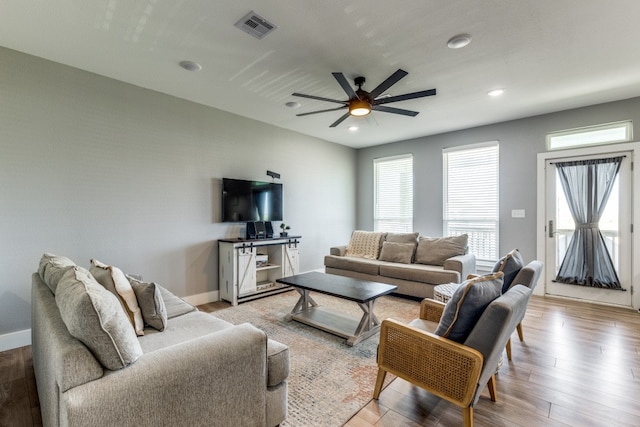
583	132
483	262
376	194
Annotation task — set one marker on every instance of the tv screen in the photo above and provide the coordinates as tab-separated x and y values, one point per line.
244	201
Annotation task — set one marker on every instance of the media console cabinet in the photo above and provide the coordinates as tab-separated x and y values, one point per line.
248	268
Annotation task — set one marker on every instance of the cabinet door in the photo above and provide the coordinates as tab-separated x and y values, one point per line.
291	262
246	271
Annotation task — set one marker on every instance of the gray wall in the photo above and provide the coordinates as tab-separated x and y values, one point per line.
520	141
95	168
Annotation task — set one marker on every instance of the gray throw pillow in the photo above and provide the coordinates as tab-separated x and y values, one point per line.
154	311
402	238
397	252
510	265
94	316
466	306
52	268
436	250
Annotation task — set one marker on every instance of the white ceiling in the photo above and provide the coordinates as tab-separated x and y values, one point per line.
548	55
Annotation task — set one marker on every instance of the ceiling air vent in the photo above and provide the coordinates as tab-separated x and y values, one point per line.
255	25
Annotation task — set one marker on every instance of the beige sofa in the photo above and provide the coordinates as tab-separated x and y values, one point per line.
416	264
199	370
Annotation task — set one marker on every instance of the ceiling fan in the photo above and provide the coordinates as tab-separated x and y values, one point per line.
361	102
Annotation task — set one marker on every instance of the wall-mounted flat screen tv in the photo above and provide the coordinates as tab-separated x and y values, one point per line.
244	201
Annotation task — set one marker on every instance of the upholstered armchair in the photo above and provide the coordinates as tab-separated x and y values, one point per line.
527	276
456	372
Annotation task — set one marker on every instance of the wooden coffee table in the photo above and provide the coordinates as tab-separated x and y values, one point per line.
362	292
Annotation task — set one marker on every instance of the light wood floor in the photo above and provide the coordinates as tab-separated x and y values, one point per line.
579	366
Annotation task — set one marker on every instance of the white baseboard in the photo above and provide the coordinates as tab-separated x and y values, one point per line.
15	340
203	298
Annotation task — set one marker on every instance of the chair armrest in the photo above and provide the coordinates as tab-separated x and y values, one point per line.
338	250
472	276
431	310
463	264
206	378
443	367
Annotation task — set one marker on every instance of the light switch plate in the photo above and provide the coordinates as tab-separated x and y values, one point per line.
517	213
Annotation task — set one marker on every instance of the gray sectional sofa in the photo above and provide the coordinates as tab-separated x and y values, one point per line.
416	264
195	369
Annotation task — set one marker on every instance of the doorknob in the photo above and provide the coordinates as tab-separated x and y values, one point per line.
551	231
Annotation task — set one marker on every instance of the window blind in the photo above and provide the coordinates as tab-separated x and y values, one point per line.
393	194
471	197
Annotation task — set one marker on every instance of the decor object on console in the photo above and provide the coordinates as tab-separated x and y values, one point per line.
415	264
92	369
285	230
454	371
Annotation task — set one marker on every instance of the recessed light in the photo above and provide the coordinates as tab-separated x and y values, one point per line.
353	128
293	104
458	41
496	92
190	65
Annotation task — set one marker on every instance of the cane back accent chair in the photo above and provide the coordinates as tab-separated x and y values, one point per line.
453	371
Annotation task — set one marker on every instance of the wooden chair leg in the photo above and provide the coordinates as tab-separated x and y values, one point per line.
519	329
509	349
467	416
492	388
379	381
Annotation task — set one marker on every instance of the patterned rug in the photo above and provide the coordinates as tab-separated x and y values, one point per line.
329	380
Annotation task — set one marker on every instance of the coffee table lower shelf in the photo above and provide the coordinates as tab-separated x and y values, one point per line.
334	323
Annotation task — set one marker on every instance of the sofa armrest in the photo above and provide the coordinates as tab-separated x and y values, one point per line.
431	310
446	368
220	378
463	264
338	250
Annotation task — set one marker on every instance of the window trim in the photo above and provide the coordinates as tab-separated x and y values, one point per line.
487	263
380	160
627	125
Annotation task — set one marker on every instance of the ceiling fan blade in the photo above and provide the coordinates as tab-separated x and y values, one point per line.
391	80
319	98
404	97
342	81
394	110
340	120
321	111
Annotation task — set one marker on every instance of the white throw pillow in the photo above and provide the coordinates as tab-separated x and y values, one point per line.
115	281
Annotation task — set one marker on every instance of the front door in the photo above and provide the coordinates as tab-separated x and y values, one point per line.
614	225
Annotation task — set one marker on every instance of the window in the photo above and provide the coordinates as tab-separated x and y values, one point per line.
393	194
591	135
471	198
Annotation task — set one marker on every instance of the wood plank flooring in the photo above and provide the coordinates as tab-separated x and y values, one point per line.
578	366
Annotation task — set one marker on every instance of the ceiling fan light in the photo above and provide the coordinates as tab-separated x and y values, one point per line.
359	108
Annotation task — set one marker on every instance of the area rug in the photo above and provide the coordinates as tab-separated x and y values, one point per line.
329	380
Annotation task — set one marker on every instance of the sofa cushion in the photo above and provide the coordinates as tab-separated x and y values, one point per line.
402	238
154	312
467	304
52	268
436	250
181	329
277	362
397	252
365	244
359	265
114	280
431	274
510	265
94	316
